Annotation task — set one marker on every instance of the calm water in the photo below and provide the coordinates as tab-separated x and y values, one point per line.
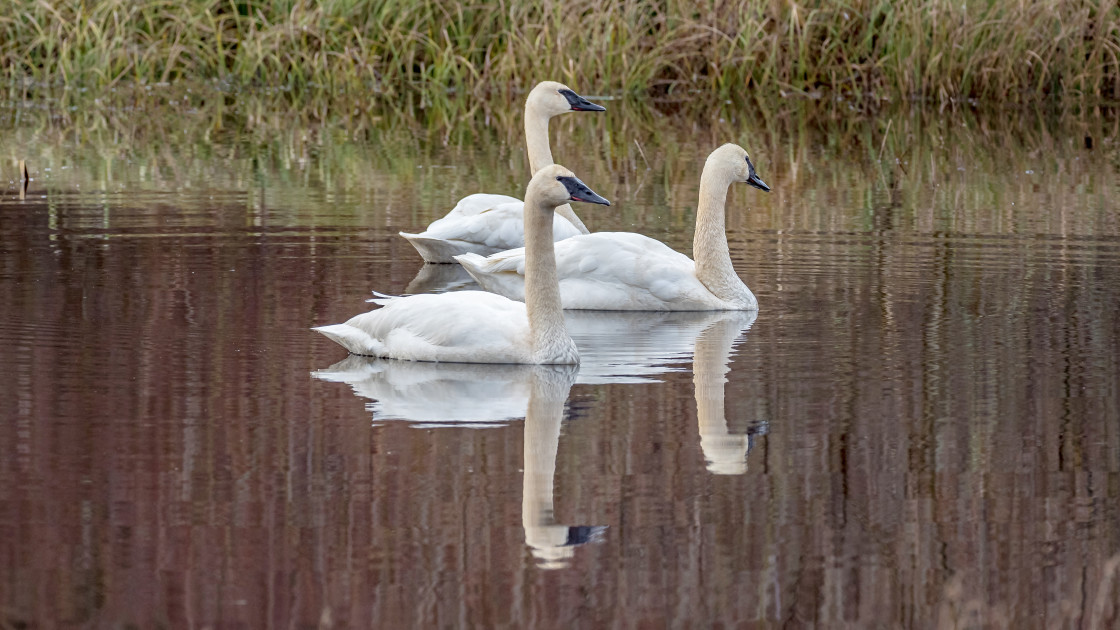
921	428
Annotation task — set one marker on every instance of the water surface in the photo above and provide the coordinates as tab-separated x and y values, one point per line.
921	428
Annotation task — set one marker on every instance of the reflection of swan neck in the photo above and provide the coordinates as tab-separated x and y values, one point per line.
540	152
725	453
542	287
547	539
709	245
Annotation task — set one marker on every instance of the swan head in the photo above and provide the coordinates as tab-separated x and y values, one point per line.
737	163
552	99
555	185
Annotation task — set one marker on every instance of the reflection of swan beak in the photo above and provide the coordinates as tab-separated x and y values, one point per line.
554	545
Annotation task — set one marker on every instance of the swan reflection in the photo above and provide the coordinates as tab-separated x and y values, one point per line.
435	394
615	347
550	542
478	395
635	347
724	452
437	278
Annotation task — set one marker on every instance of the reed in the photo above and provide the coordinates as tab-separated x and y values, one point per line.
859	50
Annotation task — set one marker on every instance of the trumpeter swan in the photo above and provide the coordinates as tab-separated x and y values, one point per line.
485	223
623	271
475	326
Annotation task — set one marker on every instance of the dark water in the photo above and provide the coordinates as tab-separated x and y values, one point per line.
920	429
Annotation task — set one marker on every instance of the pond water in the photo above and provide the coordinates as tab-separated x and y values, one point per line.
920	428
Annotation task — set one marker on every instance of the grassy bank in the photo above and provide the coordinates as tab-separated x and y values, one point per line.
1000	51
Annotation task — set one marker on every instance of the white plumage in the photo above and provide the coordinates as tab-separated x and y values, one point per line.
475	326
631	272
480	224
485	223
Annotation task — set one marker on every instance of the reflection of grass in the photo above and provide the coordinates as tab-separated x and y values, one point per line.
959	608
864	50
904	168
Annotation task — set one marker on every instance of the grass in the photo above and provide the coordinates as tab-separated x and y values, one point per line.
1000	51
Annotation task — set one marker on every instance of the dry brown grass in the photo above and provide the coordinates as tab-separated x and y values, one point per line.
861	50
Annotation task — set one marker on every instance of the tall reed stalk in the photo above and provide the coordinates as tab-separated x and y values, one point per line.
1003	51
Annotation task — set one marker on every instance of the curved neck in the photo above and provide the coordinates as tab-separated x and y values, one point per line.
542	286
709	245
540	155
536	139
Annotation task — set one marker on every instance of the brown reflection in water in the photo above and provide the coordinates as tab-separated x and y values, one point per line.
938	374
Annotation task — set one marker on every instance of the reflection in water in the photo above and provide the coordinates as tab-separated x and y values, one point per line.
635	347
937	359
725	452
551	543
616	347
441	278
435	393
481	395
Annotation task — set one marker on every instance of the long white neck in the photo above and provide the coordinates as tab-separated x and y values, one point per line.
709	245
549	335
540	155
726	453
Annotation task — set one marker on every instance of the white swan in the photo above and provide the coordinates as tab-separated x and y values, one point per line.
623	271
486	224
475	326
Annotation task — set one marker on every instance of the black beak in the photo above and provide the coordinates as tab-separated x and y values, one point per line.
580	104
579	191
753	180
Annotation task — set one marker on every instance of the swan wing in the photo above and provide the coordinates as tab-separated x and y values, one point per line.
461	327
481	231
605	271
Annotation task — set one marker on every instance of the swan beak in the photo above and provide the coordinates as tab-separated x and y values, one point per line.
755	181
580	104
578	191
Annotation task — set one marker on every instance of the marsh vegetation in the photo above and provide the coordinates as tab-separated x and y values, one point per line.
866	51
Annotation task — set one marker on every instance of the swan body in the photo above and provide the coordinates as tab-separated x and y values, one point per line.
478	226
630	272
476	326
485	224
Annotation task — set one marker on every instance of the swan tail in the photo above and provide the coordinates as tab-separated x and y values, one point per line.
434	250
470	261
355	340
509	260
382	298
491	273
